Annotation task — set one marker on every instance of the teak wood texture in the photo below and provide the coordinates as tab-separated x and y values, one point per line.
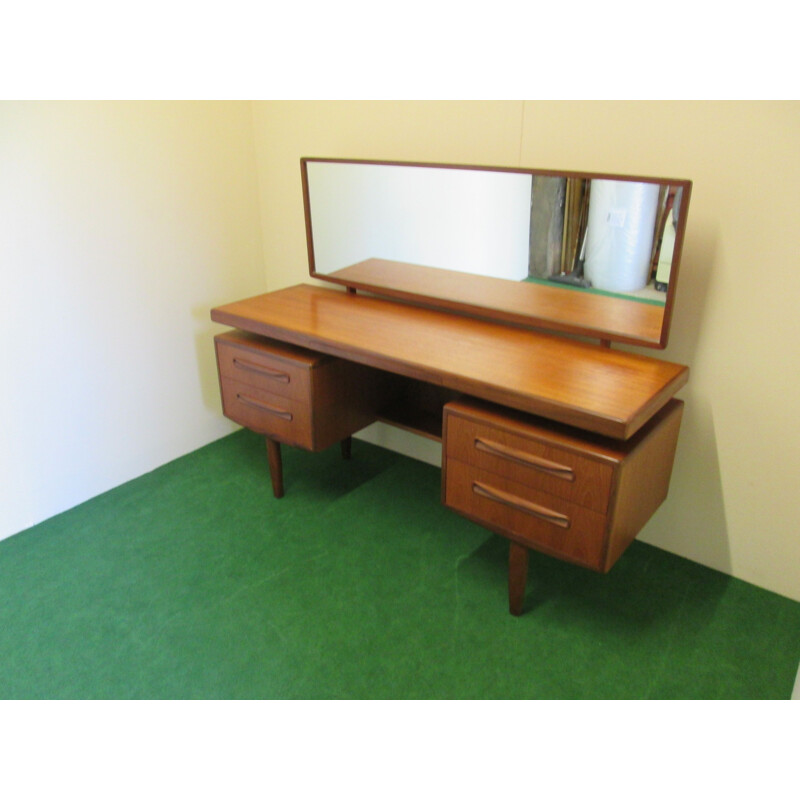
583	385
523	303
292	395
309	366
575	498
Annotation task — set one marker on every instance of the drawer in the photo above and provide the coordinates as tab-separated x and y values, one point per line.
274	368
299	397
283	418
537	519
526	456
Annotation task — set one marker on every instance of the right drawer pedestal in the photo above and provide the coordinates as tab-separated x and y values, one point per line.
579	497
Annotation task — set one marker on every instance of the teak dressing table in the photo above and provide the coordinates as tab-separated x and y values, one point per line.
559	445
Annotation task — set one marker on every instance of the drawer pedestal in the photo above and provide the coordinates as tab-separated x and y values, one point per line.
292	395
579	497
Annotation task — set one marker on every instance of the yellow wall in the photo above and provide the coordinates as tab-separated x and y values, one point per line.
121	224
732	500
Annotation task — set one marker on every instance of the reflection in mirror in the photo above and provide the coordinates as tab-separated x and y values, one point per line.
565	251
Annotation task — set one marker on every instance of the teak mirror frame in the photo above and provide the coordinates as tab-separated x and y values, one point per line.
553	308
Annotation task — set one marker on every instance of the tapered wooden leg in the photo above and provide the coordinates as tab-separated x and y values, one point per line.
275	466
347	445
517	577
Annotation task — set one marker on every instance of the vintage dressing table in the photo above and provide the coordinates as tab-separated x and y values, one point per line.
471	295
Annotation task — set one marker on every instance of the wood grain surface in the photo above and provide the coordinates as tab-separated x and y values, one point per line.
587	386
553	307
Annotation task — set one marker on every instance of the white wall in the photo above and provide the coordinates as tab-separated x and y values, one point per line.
121	224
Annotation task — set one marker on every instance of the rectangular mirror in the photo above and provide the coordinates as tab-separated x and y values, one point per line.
582	253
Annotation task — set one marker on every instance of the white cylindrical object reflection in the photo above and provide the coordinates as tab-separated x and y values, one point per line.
619	239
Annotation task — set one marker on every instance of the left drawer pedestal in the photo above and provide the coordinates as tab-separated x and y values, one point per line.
291	395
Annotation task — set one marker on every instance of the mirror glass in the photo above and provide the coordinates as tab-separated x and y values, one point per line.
584	253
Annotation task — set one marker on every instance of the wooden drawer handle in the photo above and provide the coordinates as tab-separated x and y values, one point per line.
277	412
272	374
521	457
553	517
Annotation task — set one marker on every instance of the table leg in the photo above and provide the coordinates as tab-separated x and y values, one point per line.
517	577
275	466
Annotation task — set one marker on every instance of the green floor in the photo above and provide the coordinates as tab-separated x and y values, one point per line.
192	582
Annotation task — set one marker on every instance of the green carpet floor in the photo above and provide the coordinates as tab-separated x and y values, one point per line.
193	582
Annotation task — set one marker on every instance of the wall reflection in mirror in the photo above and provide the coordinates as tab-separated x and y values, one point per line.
612	237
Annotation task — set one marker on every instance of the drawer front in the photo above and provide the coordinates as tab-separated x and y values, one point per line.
531	462
257	367
541	520
284	418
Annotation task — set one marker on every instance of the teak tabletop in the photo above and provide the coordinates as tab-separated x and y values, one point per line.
585	385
